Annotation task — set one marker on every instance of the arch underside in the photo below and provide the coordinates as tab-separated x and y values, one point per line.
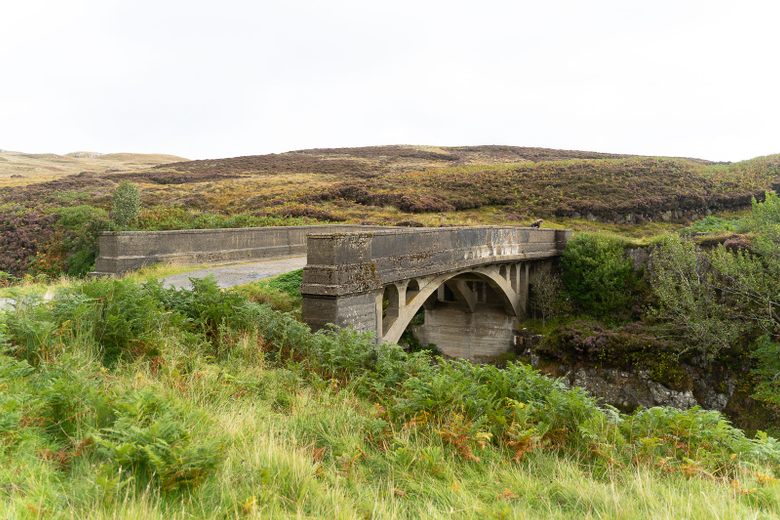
478	296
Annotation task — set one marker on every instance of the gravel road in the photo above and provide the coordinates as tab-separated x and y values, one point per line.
237	274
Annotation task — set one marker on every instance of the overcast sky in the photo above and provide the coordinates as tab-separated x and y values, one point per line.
224	78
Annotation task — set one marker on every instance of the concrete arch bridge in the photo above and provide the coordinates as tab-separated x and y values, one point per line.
464	289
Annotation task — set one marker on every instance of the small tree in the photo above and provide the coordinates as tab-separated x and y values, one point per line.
126	204
547	297
689	297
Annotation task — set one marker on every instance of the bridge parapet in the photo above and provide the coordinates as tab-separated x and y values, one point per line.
346	273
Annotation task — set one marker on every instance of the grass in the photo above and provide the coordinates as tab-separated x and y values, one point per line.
312	461
294	450
32	286
263	419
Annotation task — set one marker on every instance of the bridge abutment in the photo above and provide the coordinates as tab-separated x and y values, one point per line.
481	335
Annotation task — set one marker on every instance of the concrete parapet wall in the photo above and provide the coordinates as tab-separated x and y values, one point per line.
123	251
359	262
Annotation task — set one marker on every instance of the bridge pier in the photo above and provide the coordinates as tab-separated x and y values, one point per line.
471	283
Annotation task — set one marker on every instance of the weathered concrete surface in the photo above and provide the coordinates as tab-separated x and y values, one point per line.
481	335
377	281
350	263
123	251
238	274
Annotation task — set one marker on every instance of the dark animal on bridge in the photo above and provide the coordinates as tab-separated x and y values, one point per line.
537	223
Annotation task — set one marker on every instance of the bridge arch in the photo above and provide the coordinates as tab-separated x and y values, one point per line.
400	320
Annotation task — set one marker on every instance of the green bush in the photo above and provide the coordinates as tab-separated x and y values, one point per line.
66	412
288	283
598	275
125	318
215	314
698	441
765	213
264	294
119	318
81	225
126	204
711	224
547	298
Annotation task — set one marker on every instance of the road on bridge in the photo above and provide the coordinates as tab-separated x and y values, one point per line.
238	274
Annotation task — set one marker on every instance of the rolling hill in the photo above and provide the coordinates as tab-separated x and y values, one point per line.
20	169
425	184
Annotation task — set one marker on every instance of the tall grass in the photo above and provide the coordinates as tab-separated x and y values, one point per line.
129	400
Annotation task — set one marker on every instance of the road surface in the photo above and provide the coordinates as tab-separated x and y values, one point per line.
237	274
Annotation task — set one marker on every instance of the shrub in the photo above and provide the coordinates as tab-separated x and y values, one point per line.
72	248
212	312
7	279
122	319
711	224
687	297
264	294
81	225
126	204
694	441
65	410
287	283
30	331
749	285
598	275
128	320
764	213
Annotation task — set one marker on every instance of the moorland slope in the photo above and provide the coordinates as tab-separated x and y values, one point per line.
386	184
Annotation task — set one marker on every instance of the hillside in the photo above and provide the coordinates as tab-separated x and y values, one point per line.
387	184
20	169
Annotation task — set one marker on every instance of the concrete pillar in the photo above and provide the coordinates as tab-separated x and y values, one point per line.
389	314
524	274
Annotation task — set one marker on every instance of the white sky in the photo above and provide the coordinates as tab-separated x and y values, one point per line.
227	77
